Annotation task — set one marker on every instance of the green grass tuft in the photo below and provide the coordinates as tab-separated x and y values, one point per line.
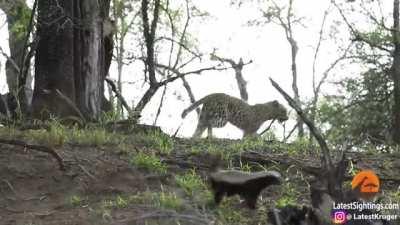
149	162
190	182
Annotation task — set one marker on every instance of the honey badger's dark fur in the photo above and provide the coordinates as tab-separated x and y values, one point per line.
246	185
219	109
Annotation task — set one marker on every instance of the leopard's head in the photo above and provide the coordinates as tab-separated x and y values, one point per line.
280	112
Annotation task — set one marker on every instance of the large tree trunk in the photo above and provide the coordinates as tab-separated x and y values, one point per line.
17	22
396	73
70	57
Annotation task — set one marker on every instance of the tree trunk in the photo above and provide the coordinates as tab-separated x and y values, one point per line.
294	50
70	57
396	73
240	80
120	65
17	22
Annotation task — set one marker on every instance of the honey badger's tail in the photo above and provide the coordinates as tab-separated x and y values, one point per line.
193	106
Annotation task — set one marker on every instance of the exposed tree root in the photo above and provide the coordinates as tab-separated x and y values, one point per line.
39	148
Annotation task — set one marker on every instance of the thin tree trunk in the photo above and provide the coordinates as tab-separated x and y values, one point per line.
240	80
294	50
120	65
16	12
396	73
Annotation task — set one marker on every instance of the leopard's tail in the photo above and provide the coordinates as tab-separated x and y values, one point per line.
193	106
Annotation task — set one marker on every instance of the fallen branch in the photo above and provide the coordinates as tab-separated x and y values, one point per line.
331	175
39	148
326	159
71	104
253	157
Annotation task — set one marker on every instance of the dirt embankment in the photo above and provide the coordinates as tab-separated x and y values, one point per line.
34	191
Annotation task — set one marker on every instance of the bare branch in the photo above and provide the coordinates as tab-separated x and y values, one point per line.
269	126
238	67
326	159
13	63
331	67
180	44
119	95
182	74
357	35
160	105
178	56
190	93
39	148
321	33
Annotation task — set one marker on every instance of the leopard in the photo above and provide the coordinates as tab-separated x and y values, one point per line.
219	109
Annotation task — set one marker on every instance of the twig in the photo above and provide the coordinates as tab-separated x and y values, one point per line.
266	129
161	105
177	130
291	132
70	104
12	61
189	91
10	186
87	172
119	95
182	74
39	148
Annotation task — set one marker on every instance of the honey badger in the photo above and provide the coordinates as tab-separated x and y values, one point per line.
219	109
246	185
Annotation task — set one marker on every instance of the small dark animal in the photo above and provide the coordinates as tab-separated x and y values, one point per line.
246	185
293	215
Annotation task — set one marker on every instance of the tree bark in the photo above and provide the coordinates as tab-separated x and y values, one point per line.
70	57
396	73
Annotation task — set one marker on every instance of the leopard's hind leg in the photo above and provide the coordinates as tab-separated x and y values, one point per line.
202	125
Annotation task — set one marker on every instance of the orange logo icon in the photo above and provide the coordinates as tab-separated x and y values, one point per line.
366	183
